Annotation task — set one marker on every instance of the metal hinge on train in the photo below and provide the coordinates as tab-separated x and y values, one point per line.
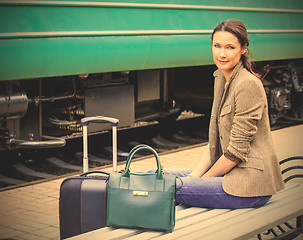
295	78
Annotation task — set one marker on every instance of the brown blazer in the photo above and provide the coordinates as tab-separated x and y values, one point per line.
240	124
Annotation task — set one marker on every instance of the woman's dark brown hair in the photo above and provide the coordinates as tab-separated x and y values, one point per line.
238	29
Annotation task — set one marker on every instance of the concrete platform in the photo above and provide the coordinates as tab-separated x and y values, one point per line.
32	212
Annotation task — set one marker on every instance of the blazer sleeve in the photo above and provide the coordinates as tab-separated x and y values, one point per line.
250	101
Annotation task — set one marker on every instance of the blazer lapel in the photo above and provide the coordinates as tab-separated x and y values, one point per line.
225	87
219	91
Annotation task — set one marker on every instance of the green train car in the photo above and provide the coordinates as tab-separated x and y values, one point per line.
134	60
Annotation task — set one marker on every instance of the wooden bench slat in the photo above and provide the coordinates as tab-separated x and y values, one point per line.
209	214
285	213
183	223
116	231
146	235
182	213
289	187
107	233
201	220
189	212
255	221
197	225
193	223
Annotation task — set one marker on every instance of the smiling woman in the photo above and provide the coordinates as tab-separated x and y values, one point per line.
239	168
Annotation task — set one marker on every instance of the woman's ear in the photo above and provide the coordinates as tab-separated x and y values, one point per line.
244	49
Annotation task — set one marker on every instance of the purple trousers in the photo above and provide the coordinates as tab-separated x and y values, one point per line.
209	193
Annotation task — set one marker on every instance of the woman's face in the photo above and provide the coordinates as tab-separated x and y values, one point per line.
227	51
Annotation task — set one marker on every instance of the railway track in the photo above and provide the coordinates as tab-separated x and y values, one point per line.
21	167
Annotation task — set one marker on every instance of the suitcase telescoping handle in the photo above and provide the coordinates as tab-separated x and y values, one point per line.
99	119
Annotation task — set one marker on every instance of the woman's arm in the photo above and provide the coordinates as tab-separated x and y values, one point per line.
204	169
203	164
221	167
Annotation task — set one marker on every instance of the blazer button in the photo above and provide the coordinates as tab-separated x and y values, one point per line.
212	146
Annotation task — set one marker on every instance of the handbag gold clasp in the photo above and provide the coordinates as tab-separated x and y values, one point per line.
140	193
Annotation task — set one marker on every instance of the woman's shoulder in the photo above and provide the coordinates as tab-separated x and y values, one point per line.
249	85
246	78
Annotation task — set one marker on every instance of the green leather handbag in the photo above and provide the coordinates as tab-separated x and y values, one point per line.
141	200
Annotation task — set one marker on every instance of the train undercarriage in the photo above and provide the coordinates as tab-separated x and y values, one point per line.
42	113
284	87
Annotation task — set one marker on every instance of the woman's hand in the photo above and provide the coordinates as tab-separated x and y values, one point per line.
203	164
220	168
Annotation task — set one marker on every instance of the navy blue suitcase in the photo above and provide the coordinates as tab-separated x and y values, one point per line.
82	203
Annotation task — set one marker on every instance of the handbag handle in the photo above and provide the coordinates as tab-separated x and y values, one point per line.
134	149
99	119
177	189
94	171
137	149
